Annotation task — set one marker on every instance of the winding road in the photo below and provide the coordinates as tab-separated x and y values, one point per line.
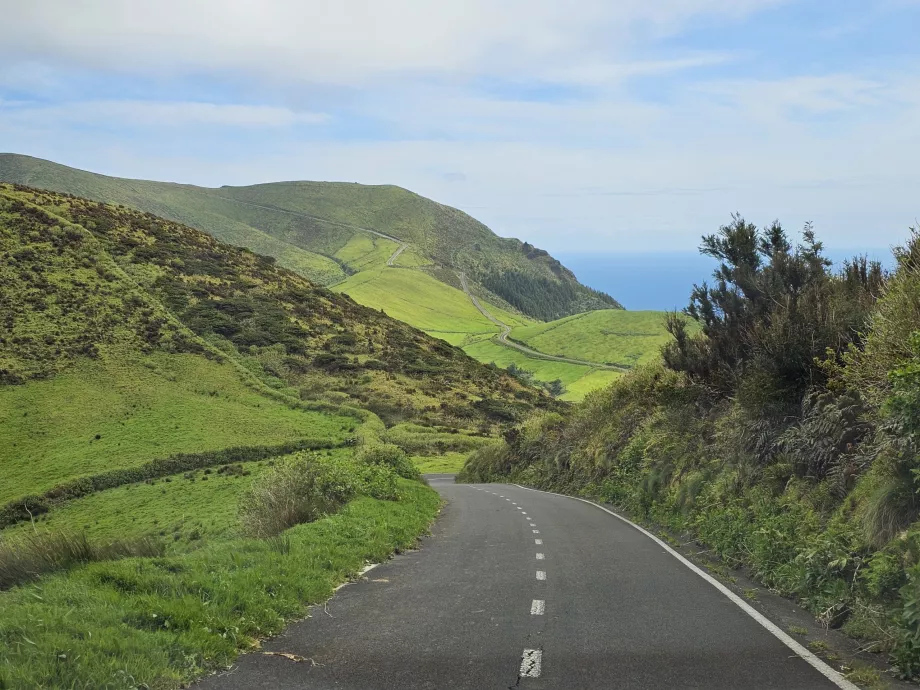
523	589
503	338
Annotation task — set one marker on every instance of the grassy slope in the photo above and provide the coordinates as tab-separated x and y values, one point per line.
162	622
578	380
418	299
143	408
264	218
186	509
606	336
433	464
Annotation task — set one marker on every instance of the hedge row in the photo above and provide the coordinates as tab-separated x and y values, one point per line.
25	508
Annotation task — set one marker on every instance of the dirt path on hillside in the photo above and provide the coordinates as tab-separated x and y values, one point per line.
503	338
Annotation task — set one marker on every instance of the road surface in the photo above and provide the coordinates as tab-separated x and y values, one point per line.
506	331
523	589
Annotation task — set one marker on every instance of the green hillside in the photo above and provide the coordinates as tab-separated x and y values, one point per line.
345	236
152	382
608	336
308	227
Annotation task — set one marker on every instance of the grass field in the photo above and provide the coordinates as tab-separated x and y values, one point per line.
117	413
418	299
609	336
449	463
577	379
364	251
161	622
186	510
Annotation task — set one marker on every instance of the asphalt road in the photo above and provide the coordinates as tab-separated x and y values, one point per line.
521	589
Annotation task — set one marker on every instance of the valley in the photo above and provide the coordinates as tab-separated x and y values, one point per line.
420	262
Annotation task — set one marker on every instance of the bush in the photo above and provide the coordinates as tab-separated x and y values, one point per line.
379	481
391	456
300	488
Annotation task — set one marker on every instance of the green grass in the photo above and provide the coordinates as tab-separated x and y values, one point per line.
140	410
180	510
304	224
162	622
184	509
609	336
434	464
364	251
416	298
578	380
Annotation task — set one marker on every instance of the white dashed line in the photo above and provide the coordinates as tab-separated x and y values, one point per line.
531	663
538	542
533	524
536	531
537	607
541	574
540	557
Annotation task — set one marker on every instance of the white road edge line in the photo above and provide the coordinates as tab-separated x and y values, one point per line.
538	607
541	574
531	663
820	666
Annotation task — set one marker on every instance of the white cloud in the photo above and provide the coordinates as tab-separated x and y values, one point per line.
154	114
348	41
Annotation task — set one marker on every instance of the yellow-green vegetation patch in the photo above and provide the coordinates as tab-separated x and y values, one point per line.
364	251
416	298
427	440
607	336
546	370
161	622
591	381
115	412
433	464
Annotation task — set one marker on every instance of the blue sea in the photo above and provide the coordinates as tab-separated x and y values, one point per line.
662	280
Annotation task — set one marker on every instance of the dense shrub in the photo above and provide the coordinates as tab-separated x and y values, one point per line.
300	488
388	455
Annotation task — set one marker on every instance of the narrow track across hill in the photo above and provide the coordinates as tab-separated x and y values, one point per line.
503	339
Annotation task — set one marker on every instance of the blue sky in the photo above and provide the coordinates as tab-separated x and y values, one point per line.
582	127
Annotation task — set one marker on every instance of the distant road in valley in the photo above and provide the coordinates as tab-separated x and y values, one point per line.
523	589
503	338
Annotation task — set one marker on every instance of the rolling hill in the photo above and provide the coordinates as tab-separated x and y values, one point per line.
322	230
151	378
400	253
129	336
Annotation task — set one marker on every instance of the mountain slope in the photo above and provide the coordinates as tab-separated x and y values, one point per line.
129	336
312	227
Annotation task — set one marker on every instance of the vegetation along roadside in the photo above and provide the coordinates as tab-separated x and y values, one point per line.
782	435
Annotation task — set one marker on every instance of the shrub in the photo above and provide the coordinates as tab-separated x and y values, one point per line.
379	481
391	456
300	488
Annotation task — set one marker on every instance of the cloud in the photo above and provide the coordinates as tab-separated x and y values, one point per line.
348	41
154	114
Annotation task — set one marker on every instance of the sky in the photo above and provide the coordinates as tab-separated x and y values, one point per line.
587	127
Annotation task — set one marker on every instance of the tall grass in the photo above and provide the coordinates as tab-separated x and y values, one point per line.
33	555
